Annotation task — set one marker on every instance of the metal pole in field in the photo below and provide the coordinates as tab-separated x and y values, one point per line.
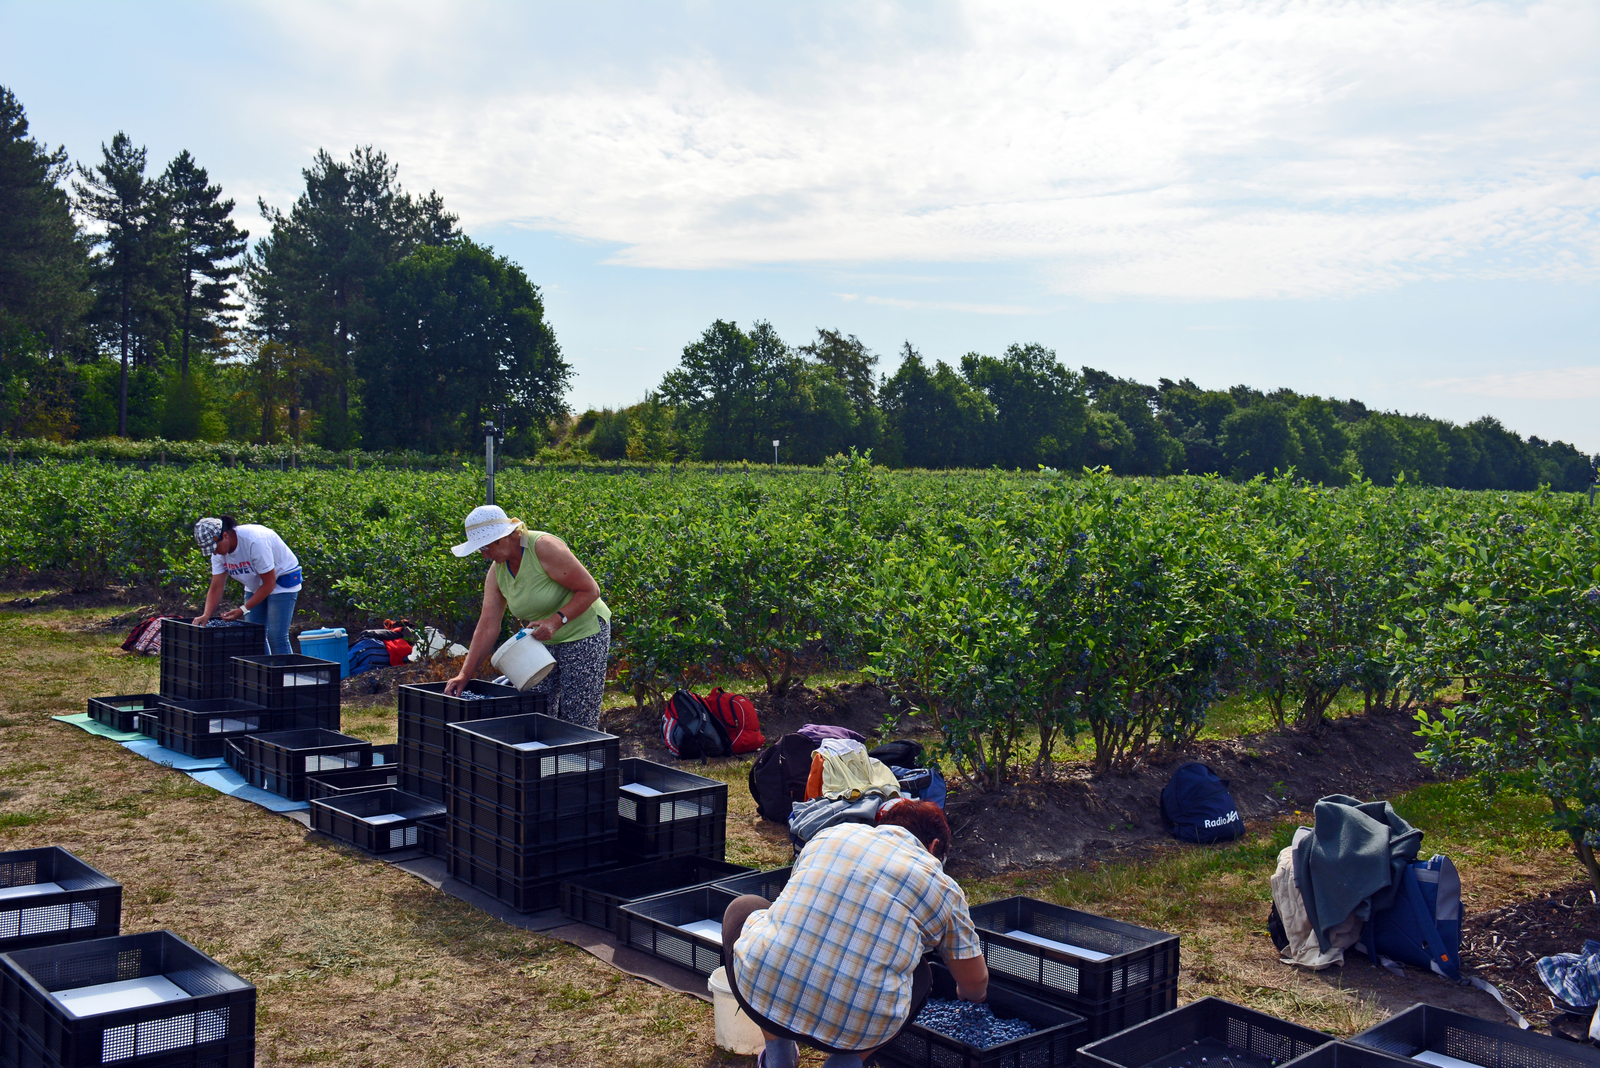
774	454
488	459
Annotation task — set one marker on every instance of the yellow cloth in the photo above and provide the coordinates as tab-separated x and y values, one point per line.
850	776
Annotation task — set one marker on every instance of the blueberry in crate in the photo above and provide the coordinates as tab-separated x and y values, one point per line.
49	896
1449	1039
987	1040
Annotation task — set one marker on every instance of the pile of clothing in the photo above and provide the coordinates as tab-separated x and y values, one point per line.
847	784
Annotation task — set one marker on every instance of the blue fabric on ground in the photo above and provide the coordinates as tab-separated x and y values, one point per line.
150	750
1573	977
226	780
85	722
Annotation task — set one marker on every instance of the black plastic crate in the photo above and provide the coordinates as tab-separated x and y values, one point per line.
574	792
1054	1043
424	770
1430	1029
1107	971
199	727
655	925
48	896
386	754
521	829
1346	1055
195	661
360	780
594	899
379	821
280	761
286	681
665	812
531	748
767	884
426	704
523	895
1209	1028
434	836
122	713
532	863
148	723
207	1013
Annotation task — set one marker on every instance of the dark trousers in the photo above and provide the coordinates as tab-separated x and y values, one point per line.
733	919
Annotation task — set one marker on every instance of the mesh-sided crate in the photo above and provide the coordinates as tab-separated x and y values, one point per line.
425	709
386	755
1114	974
664	812
552	796
49	896
146	999
122	713
523	895
1210	1028
531	748
767	884
520	829
434	836
683	927
379	821
340	783
196	661
199	727
280	761
530	863
1054	1042
1347	1055
304	685
594	899
1424	1029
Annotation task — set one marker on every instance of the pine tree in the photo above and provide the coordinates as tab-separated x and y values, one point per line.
206	248
128	261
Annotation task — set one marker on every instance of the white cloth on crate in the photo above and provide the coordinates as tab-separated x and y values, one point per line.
1303	948
259	550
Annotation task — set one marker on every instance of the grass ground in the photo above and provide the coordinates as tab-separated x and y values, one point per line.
358	963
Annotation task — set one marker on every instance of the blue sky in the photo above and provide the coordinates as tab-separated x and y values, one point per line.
1395	202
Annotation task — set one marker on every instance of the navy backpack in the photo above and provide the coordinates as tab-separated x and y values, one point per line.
1423	926
1196	806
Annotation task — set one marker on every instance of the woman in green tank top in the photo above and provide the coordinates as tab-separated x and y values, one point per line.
535	576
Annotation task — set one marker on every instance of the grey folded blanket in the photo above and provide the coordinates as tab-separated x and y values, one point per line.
1352	861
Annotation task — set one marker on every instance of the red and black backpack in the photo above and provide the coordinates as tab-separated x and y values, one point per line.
690	730
737	714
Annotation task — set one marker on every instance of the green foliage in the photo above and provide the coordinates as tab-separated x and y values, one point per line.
1509	599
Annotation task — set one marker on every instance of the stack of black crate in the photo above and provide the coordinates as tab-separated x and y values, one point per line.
303	690
532	801
74	992
425	715
198	711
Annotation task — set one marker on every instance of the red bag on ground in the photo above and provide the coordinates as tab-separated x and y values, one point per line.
737	713
399	649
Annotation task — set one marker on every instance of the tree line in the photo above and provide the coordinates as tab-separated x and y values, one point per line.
734	391
131	304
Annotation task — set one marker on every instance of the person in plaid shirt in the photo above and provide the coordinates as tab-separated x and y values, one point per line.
836	961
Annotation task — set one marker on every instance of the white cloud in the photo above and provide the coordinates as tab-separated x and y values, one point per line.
1557	384
1189	150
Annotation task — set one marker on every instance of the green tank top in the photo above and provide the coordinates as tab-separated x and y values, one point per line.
532	594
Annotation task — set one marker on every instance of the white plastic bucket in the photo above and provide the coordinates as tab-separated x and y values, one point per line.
523	659
736	1032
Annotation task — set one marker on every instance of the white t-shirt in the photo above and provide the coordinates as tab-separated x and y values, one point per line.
259	550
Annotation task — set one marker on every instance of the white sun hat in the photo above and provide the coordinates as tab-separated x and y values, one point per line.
485	523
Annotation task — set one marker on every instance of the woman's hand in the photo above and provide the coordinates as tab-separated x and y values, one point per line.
454	687
232	613
545	629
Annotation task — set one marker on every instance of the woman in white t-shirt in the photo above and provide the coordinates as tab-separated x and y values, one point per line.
266	568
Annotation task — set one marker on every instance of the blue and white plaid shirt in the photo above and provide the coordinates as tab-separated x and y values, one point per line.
832	958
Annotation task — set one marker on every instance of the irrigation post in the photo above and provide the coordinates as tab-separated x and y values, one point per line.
774	454
488	458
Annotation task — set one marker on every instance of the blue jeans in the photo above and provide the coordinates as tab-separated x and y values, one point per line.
275	612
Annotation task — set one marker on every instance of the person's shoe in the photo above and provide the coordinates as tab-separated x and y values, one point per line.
779	1053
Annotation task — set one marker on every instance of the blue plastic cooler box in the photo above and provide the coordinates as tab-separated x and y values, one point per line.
329	643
